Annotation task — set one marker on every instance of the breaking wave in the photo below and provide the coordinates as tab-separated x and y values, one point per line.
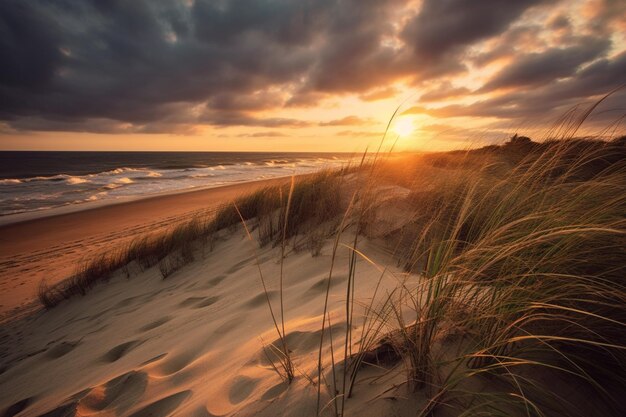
43	192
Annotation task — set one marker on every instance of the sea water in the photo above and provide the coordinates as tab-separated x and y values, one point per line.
36	181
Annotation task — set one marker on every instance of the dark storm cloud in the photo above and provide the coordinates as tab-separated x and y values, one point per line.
591	82
228	118
249	102
443	26
353	56
444	91
506	44
282	21
166	66
379	94
28	47
539	68
136	61
560	22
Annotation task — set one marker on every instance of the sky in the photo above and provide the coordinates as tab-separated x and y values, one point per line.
305	75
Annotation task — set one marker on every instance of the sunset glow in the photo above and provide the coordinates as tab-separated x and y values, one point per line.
312	208
404	126
292	76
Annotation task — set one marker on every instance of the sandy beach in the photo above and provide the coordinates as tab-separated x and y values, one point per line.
336	296
189	345
293	208
51	247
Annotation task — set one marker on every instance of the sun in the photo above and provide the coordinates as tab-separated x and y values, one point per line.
404	126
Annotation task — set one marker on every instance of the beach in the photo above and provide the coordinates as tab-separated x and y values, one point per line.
195	343
51	247
313	208
337	294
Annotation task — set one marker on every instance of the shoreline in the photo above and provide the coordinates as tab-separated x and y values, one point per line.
50	247
27	216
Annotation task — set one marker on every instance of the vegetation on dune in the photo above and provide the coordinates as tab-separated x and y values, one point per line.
523	270
515	289
315	200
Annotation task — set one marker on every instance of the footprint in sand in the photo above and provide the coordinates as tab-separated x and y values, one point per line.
17	407
201	412
127	301
190	301
261	299
240	265
227	327
297	341
322	285
206	302
198	302
65	410
79	395
275	391
215	281
241	389
98	316
119	351
179	362
157	323
119	393
61	349
155	359
163	407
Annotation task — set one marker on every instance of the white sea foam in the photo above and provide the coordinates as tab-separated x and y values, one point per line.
29	194
121	170
76	180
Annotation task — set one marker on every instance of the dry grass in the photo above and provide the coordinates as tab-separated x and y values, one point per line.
529	266
519	254
517	260
315	200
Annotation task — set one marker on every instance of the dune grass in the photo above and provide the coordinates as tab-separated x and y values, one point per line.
526	270
516	266
314	200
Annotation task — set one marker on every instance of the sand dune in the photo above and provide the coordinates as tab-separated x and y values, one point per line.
482	321
191	344
51	247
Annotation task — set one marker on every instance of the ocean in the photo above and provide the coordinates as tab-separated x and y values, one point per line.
36	181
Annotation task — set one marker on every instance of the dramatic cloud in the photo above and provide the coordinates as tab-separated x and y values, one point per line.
444	91
176	66
223	119
443	26
555	63
379	94
592	82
